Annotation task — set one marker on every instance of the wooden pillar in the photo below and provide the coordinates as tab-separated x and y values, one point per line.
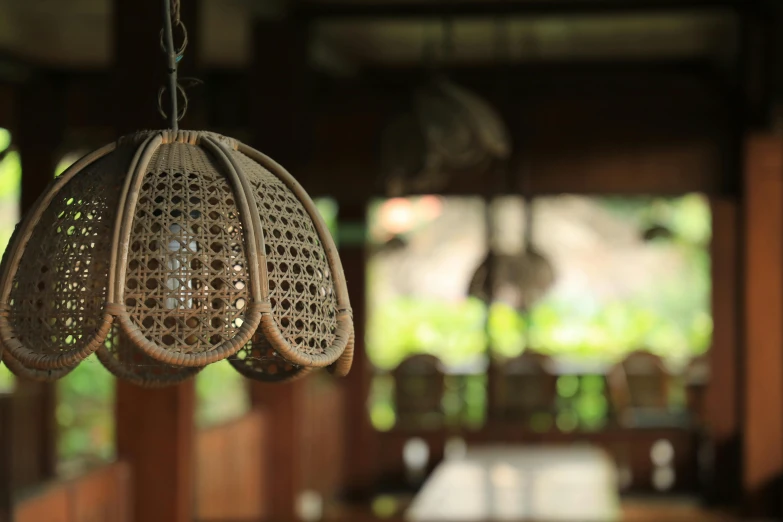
155	428
762	422
722	397
360	436
155	435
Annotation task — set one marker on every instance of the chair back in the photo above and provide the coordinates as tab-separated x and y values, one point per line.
418	392
524	386
639	383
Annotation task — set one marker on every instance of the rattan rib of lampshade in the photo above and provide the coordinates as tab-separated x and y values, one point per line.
126	362
342	366
175	249
33	374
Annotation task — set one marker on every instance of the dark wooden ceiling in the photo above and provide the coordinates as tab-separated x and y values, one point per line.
78	34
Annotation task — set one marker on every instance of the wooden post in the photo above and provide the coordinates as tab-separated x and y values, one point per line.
155	428
155	435
762	423
722	398
360	436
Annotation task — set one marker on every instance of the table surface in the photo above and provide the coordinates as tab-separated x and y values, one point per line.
521	483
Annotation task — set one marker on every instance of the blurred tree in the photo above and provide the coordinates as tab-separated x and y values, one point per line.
85	414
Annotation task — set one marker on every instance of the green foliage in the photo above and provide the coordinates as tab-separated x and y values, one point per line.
328	209
10	190
221	393
5	139
670	317
10	177
452	331
85	413
381	400
7	380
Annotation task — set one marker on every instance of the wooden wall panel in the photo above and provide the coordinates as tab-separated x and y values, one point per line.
305	447
102	495
53	505
231	480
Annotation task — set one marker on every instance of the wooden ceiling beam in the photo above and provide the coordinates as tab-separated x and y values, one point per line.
472	8
225	94
622	130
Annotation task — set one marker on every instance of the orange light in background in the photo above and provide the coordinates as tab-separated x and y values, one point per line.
430	207
397	215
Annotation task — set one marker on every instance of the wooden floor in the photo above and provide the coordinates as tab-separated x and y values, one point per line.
635	510
671	511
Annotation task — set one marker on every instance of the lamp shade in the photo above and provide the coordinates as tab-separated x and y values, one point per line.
170	250
518	280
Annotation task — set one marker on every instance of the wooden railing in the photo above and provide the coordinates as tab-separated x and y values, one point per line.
322	437
234	479
231	470
102	495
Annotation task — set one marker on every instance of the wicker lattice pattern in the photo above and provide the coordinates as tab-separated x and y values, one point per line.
258	360
186	286
128	363
301	290
170	250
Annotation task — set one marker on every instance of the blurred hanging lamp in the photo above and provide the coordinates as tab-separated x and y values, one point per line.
448	129
657	232
520	279
170	250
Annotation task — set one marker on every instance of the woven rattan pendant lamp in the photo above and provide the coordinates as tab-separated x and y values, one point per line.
448	131
170	250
